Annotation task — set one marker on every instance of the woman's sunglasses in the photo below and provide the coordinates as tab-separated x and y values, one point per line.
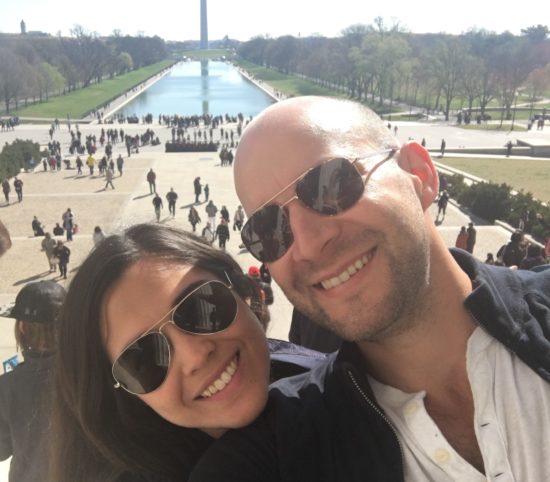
143	365
328	189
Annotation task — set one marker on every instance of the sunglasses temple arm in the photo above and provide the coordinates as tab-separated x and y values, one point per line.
228	279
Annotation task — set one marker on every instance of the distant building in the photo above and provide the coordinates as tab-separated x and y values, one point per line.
23	27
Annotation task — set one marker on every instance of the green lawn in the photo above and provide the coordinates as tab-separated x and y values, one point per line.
78	103
207	54
531	175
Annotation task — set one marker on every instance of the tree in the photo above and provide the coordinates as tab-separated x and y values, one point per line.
536	32
13	72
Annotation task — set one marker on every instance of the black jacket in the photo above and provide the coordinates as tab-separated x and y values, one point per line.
25	417
325	425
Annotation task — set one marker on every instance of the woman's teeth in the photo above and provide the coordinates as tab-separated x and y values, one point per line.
219	384
346	274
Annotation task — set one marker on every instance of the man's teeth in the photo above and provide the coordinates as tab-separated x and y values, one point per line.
346	274
219	384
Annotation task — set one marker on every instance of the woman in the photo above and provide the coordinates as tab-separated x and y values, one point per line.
462	239
154	337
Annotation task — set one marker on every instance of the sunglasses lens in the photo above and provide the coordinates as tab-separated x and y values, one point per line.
331	188
142	367
267	234
209	309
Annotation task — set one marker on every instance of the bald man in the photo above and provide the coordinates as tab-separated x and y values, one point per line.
444	374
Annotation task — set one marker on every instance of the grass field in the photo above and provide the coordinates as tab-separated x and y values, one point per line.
531	175
207	54
78	103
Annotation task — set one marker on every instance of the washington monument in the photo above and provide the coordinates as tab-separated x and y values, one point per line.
204	26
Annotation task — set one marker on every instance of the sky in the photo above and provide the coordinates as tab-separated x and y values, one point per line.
244	19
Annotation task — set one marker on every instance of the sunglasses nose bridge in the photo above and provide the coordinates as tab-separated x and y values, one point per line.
190	352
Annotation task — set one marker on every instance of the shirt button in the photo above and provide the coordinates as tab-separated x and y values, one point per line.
441	456
410	408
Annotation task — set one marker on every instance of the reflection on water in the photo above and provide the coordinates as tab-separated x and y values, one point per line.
202	87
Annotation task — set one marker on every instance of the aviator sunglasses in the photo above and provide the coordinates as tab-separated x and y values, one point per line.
328	189
143	365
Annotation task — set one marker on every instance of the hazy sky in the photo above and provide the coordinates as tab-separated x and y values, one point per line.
243	19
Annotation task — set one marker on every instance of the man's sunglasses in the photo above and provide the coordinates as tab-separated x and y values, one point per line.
143	365
329	189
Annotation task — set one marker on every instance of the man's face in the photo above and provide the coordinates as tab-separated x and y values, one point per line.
358	273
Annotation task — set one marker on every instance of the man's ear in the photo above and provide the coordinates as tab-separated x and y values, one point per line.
416	160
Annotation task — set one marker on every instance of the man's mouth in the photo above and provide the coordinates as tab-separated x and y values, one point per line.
223	380
349	272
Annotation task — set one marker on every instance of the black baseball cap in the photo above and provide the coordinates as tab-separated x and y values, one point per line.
38	302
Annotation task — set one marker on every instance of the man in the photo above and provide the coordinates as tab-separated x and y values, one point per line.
62	254
6	188
90	162
152	179
419	391
24	400
157	205
18	186
48	246
211	210
472	234
68	223
119	164
109	175
172	197
197	187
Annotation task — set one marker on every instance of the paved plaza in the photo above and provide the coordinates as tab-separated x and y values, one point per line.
48	194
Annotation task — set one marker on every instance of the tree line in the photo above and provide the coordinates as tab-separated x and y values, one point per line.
380	64
34	67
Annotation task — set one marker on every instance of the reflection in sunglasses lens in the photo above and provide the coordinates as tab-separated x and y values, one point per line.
142	367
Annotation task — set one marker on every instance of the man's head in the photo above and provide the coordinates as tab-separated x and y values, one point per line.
36	309
362	270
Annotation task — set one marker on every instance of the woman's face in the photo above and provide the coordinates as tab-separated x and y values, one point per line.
144	294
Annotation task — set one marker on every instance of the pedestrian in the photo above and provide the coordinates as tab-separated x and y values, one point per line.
263	297
442	204
68	223
37	228
172	197
472	235
193	217
62	254
119	164
442	148
109	175
7	189
211	209
79	165
18	186
152	180
48	246
197	188
462	239
90	162
25	407
98	235
443	352
224	213
238	218
157	205
206	192
222	233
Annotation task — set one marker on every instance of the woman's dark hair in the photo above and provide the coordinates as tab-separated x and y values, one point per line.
101	432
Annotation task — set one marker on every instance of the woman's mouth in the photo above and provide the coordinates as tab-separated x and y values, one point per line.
223	380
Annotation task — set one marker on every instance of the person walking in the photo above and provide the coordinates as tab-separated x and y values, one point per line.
224	213
157	204
120	164
172	197
152	180
211	209
62	253
222	233
48	246
197	188
18	186
462	239
68	223
206	192
472	234
6	188
90	162
442	147
193	217
238	219
442	204
109	175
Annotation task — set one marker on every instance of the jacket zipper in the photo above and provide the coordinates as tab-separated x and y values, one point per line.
379	412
